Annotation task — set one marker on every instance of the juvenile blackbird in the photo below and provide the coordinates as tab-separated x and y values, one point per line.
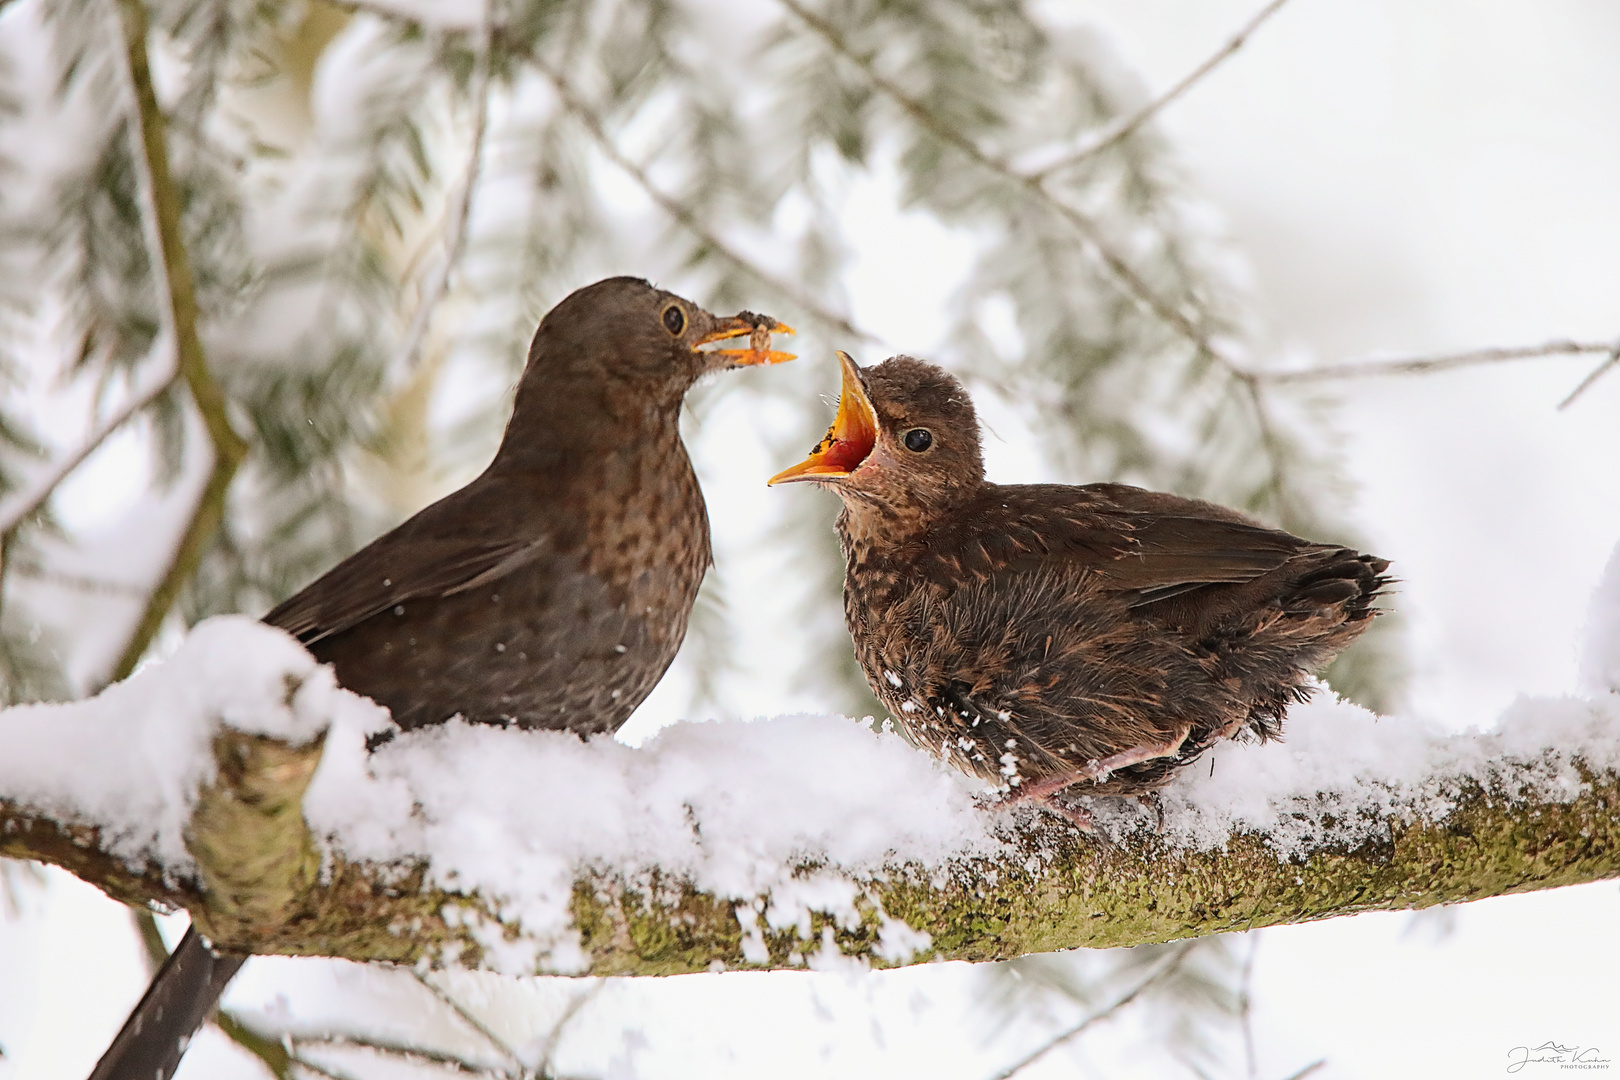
551	592
1085	640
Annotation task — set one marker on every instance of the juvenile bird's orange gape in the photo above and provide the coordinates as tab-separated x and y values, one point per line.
551	592
1087	640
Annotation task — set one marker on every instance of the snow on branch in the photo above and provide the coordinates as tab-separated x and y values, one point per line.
802	840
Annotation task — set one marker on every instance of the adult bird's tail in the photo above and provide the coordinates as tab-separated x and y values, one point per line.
185	991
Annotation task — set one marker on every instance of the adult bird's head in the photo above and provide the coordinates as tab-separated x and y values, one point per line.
905	439
626	331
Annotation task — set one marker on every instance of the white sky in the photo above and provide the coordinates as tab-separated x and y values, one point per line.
1403	178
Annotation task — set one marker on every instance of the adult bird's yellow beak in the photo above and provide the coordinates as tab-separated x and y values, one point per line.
853	433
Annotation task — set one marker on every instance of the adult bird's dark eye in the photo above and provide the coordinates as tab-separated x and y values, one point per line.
918	439
674	319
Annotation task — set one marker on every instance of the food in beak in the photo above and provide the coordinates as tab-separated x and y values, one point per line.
759	329
849	440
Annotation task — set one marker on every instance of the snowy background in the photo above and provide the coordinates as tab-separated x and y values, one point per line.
1402	180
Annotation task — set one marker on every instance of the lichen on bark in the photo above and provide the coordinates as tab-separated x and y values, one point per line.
261	885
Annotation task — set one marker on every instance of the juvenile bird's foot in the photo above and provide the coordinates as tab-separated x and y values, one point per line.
1006	799
1077	816
1097	771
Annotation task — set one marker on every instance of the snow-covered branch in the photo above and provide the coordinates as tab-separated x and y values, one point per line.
796	841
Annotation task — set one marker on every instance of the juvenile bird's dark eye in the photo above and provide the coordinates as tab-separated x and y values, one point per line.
918	439
674	319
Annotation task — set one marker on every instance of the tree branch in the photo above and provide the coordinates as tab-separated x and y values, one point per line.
1052	888
688	220
399	1051
1427	365
26	503
1088	229
444	997
82	851
437	280
1597	373
179	293
1126	126
268	1050
1165	969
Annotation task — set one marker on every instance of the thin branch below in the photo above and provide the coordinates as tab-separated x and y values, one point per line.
1165	969
1314	1066
399	1051
467	1017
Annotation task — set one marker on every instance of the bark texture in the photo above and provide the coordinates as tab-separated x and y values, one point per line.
260	886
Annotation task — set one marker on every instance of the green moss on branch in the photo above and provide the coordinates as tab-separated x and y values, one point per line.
1053	890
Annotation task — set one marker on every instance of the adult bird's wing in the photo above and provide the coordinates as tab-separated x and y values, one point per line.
443	550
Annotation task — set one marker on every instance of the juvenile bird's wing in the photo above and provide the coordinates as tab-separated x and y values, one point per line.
1144	543
445	549
1170	556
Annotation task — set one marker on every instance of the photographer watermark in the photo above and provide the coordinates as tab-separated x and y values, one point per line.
1554	1055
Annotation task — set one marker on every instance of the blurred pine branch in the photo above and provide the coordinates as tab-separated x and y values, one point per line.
371	208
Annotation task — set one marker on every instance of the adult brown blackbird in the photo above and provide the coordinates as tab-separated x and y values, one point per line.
1085	640
551	592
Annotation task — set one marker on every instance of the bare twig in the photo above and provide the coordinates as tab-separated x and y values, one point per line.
403	1051
548	1046
26	503
271	1051
683	215
176	288
151	941
1167	968
1246	1005
468	1018
1423	365
1269	439
319	1070
36	572
688	220
1082	223
1597	373
1126	126
437	279
1307	1070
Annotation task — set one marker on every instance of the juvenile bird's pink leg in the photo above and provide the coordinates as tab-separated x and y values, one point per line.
1099	770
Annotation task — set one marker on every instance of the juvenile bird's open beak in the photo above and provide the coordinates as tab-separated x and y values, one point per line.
759	329
850	439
